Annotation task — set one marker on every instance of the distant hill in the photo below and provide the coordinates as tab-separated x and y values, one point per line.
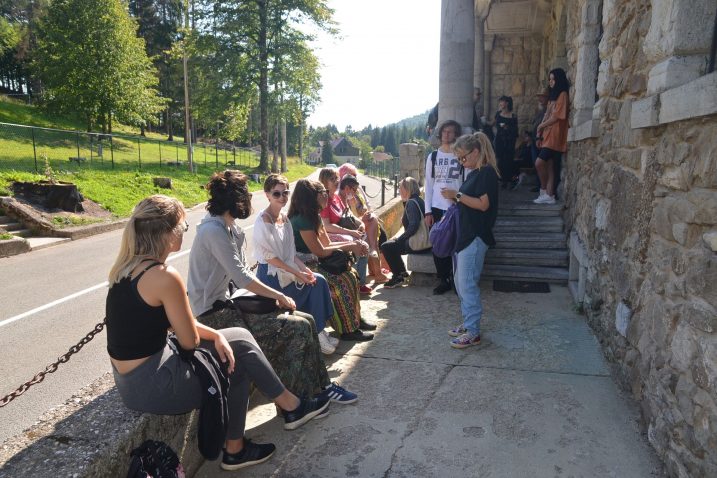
415	121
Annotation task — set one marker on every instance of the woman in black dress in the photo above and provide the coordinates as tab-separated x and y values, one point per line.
506	124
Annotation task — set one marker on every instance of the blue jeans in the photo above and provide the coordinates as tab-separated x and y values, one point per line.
468	270
360	266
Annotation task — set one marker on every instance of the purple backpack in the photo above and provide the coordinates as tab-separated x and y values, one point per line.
444	234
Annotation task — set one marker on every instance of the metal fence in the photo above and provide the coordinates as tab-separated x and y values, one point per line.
25	148
385	169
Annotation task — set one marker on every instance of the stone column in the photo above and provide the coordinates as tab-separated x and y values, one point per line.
455	82
487	83
588	61
478	66
674	44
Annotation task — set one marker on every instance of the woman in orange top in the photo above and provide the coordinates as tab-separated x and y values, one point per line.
554	133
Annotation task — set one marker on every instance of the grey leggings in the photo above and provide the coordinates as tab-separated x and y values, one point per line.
166	385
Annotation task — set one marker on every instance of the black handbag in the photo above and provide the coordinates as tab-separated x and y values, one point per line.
255	304
349	221
337	263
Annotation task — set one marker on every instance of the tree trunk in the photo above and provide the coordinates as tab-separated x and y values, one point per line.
275	156
168	123
263	85
301	128
283	146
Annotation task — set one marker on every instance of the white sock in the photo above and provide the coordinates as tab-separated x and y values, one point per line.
543	192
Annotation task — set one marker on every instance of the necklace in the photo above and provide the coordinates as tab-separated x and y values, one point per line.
271	216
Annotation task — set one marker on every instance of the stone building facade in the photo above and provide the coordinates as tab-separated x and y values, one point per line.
639	183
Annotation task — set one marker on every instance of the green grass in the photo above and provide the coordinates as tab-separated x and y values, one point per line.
73	220
119	191
5	236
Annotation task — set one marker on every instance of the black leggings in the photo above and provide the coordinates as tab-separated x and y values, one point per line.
165	384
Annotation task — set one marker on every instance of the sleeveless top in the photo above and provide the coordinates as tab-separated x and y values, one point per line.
134	328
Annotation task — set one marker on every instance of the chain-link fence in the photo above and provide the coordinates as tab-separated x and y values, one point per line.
25	148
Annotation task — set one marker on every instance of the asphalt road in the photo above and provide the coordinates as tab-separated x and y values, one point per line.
49	299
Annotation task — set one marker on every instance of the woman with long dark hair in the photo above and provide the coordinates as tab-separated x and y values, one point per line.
506	124
217	264
146	299
553	134
312	242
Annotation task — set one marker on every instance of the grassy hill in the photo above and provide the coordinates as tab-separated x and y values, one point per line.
122	175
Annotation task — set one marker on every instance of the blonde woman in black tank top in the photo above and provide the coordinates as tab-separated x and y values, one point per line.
147	299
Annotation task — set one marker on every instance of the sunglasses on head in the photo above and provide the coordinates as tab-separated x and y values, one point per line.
278	194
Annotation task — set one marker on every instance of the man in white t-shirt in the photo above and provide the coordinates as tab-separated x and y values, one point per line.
444	172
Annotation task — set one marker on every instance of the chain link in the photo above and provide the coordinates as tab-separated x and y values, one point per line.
53	366
379	191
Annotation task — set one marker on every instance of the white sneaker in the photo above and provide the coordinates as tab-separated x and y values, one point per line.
332	340
545	200
541	197
326	347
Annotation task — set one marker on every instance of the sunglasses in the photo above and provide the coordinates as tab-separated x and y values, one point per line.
278	194
323	192
185	227
462	159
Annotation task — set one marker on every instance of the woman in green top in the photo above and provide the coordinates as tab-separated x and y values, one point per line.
310	237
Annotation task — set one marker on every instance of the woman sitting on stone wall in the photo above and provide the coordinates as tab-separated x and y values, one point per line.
217	259
146	298
552	134
414	209
312	243
280	269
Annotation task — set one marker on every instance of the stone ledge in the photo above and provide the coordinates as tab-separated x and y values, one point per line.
585	130
92	435
691	100
14	246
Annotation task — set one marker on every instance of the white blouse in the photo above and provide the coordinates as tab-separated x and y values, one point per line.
275	240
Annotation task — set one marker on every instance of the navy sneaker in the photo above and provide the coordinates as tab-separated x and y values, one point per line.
251	454
338	394
308	408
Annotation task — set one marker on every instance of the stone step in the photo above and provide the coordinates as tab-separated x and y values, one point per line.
556	275
530	240
43	242
528	224
22	232
6	219
529	209
12	226
528	257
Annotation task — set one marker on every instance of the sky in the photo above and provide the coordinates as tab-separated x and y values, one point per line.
382	67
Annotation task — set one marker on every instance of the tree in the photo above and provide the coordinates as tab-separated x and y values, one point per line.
258	34
327	154
91	62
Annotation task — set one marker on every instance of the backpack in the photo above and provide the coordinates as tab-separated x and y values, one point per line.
154	459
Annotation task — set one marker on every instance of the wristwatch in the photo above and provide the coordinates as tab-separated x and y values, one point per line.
458	197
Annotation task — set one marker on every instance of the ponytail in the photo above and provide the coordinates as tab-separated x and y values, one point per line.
479	141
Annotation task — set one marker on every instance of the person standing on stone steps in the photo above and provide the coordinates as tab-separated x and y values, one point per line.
554	133
443	171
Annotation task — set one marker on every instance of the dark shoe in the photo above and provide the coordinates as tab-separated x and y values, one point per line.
251	454
357	336
442	288
394	282
363	325
308	408
338	394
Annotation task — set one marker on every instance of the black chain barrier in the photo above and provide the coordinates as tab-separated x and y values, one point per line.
385	187
53	366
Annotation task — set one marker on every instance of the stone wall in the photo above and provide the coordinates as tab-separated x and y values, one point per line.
643	202
515	72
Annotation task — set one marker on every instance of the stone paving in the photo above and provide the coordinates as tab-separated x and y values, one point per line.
535	399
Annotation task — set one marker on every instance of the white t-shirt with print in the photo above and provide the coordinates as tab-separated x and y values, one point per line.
448	175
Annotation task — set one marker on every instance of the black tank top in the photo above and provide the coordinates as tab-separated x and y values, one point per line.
134	328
